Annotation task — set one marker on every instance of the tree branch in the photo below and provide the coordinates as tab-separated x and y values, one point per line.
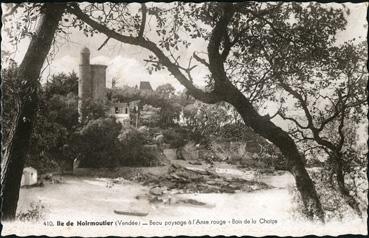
284	117
104	43
207	97
201	60
143	23
218	35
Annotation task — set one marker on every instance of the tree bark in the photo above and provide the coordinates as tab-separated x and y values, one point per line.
340	178
264	127
28	74
226	91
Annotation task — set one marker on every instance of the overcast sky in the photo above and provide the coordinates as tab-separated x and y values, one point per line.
125	62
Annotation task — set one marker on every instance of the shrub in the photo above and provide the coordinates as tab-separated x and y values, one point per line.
93	109
35	213
333	203
97	143
43	163
133	153
175	138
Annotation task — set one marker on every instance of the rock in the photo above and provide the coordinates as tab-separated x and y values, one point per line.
159	138
211	182
143	129
175	176
234	186
191	201
195	162
156	191
131	213
170	154
226	189
47	176
189	151
197	170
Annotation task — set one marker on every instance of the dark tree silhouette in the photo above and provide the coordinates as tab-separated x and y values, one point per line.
238	31
331	99
26	106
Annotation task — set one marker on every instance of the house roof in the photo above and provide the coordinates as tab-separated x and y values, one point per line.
145	85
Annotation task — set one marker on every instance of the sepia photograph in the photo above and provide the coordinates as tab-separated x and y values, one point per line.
184	118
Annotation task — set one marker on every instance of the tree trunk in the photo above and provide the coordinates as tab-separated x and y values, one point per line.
225	91
19	138
350	200
264	127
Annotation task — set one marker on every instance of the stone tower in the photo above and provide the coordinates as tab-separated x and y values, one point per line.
92	82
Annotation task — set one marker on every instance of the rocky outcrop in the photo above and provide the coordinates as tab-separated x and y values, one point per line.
245	154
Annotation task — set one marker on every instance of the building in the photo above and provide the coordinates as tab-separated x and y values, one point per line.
127	113
92	87
145	86
92	82
29	176
133	112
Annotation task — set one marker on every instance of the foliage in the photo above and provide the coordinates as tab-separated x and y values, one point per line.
94	109
218	121
331	98
206	119
62	84
133	153
124	94
169	114
46	144
57	115
34	214
175	137
253	52
165	91
9	99
239	132
28	74
62	109
103	143
96	143
163	98
56	121
332	201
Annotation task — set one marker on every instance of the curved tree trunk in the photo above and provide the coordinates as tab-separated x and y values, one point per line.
28	74
264	127
226	91
340	177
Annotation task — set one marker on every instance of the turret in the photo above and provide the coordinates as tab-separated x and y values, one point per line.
92	80
85	56
84	84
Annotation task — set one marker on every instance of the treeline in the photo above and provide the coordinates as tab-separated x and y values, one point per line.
58	138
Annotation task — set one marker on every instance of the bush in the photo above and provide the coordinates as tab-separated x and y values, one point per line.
97	144
43	164
333	203
35	213
175	138
93	109
132	146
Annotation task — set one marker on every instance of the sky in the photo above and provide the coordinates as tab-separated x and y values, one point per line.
125	63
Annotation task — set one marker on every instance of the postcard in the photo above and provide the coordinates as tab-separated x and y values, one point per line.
184	118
